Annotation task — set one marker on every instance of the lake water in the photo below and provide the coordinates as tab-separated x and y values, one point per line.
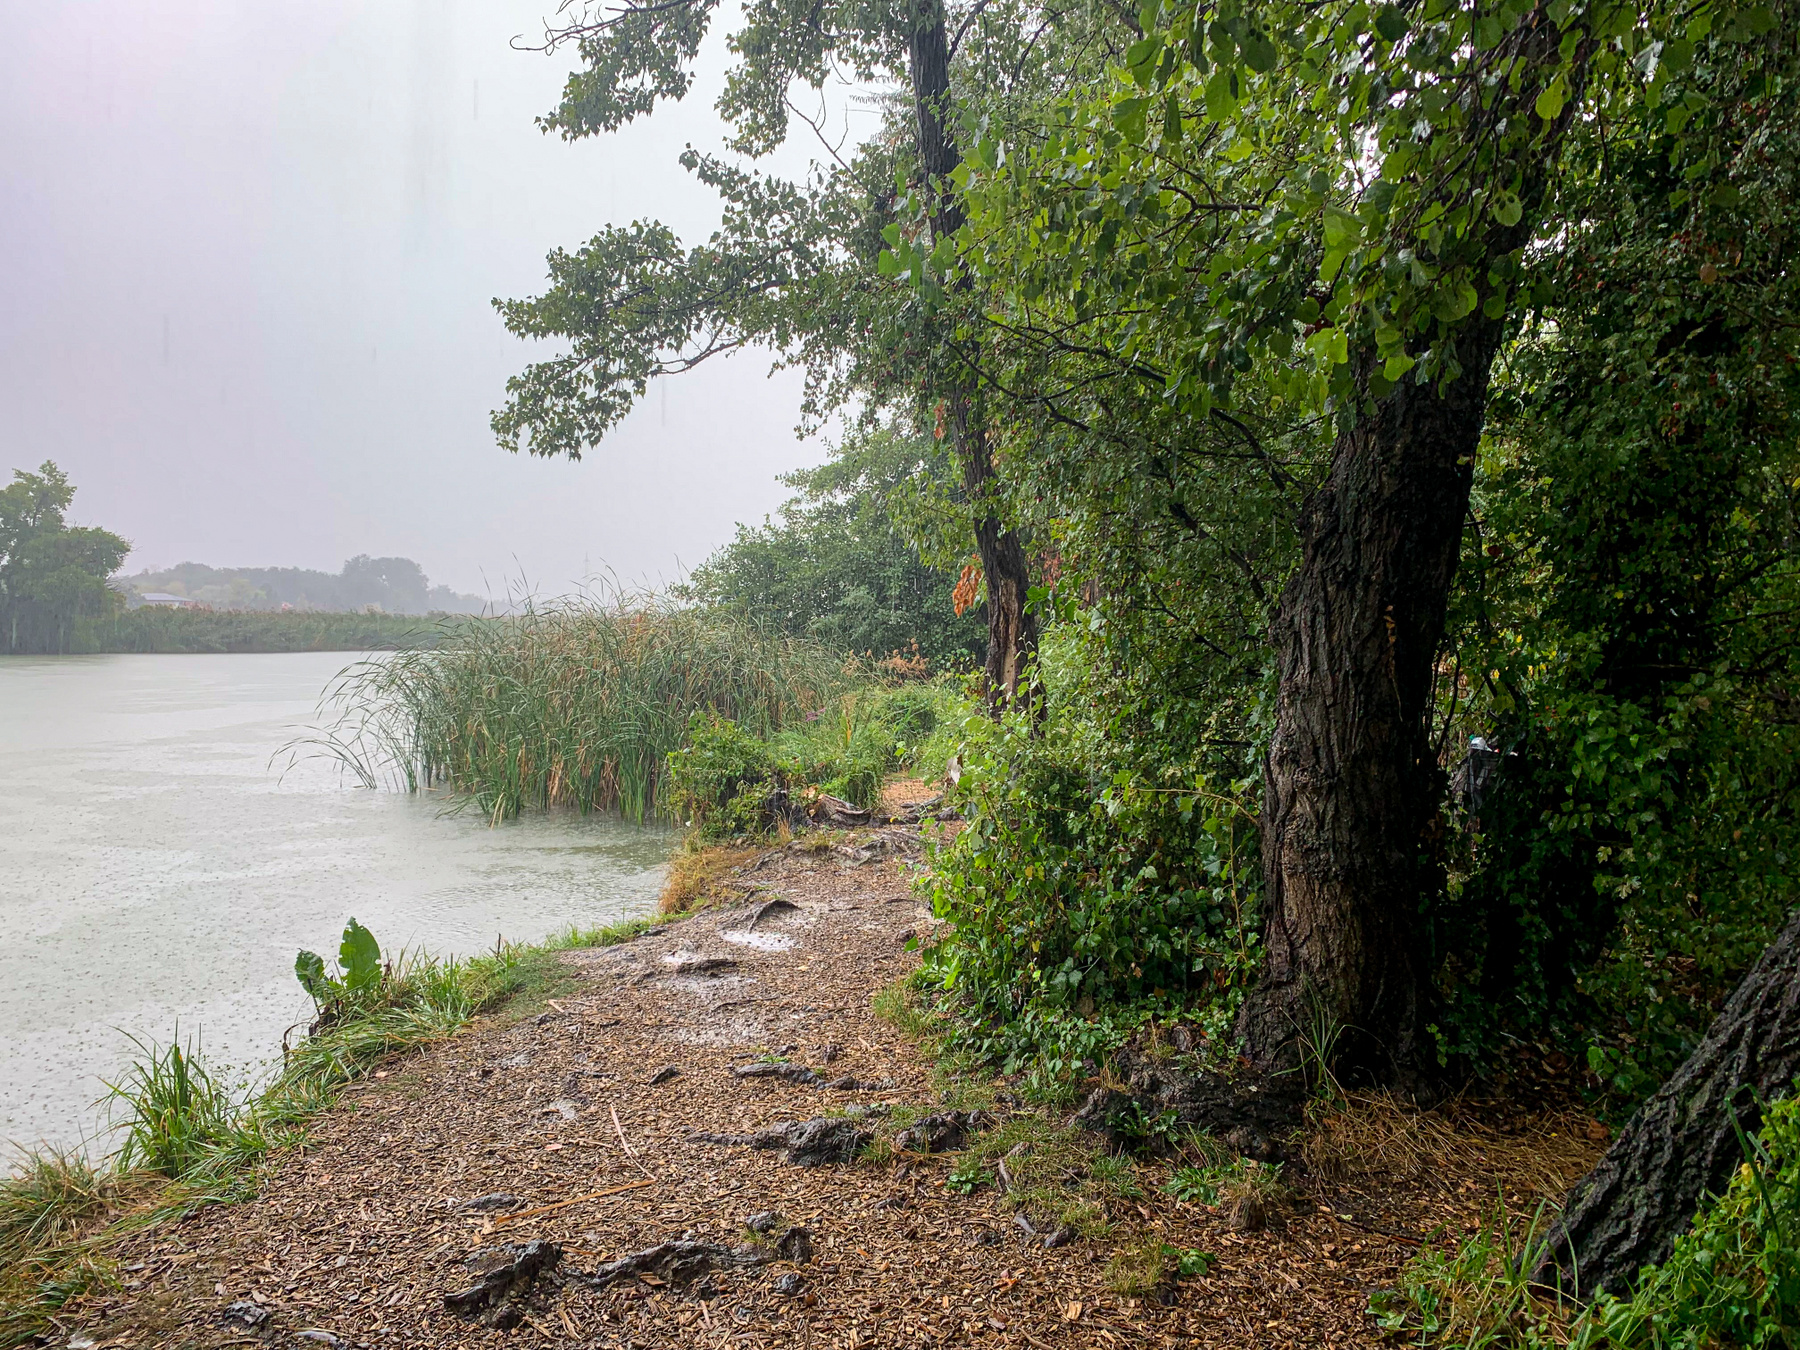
155	866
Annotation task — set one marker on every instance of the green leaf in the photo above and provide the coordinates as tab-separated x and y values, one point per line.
360	956
1332	345
887	265
1130	117
1391	24
309	969
1507	208
1396	366
1221	102
1550	101
1342	230
1143	51
1259	51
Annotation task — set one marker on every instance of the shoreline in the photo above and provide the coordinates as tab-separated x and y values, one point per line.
556	1117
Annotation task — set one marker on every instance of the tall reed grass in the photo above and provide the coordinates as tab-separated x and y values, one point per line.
576	704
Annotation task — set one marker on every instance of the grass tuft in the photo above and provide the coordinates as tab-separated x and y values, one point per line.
696	872
52	1199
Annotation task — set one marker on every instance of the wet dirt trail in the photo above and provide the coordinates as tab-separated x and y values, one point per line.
628	1168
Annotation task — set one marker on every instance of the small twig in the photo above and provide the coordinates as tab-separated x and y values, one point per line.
564	1204
629	1151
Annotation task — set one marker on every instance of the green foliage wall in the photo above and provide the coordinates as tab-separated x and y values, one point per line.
842	565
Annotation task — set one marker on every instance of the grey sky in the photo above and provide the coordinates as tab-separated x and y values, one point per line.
246	255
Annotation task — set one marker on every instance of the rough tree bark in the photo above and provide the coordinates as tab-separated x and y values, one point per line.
1012	632
1681	1145
1351	786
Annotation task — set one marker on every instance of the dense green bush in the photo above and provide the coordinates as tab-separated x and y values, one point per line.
1102	876
1624	630
727	782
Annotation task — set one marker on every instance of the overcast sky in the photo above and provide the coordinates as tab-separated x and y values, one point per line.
246	258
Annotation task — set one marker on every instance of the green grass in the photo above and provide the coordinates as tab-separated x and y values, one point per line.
576	704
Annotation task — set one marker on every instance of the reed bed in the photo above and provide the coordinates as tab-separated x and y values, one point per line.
577	704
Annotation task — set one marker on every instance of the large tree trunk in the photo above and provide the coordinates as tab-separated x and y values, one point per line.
1012	633
1351	785
1682	1144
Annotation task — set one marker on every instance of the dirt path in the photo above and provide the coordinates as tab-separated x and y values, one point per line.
571	1126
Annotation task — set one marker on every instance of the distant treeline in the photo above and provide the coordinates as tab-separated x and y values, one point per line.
395	585
154	629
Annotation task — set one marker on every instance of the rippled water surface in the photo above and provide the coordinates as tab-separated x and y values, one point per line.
155	866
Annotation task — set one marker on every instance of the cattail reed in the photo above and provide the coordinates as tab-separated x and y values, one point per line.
576	704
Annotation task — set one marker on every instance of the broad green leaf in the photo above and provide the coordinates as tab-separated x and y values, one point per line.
1391	24
309	969
1221	102
1331	345
1342	230
1396	366
1507	208
1130	117
360	956
1259	51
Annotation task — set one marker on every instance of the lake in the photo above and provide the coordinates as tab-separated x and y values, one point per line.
156	866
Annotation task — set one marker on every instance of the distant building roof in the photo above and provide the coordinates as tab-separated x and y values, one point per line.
164	598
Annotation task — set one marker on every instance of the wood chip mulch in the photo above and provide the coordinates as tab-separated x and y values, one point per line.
571	1118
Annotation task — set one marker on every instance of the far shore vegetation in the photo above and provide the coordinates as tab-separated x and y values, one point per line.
61	594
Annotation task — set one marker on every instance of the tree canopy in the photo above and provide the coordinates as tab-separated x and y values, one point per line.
52	573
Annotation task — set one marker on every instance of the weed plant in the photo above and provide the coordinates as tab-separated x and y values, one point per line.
572	705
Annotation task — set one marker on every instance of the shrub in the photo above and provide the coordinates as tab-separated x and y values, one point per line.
1087	892
726	782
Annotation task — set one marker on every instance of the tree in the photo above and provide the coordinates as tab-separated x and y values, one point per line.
794	266
397	585
1686	1141
1335	210
52	574
838	566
